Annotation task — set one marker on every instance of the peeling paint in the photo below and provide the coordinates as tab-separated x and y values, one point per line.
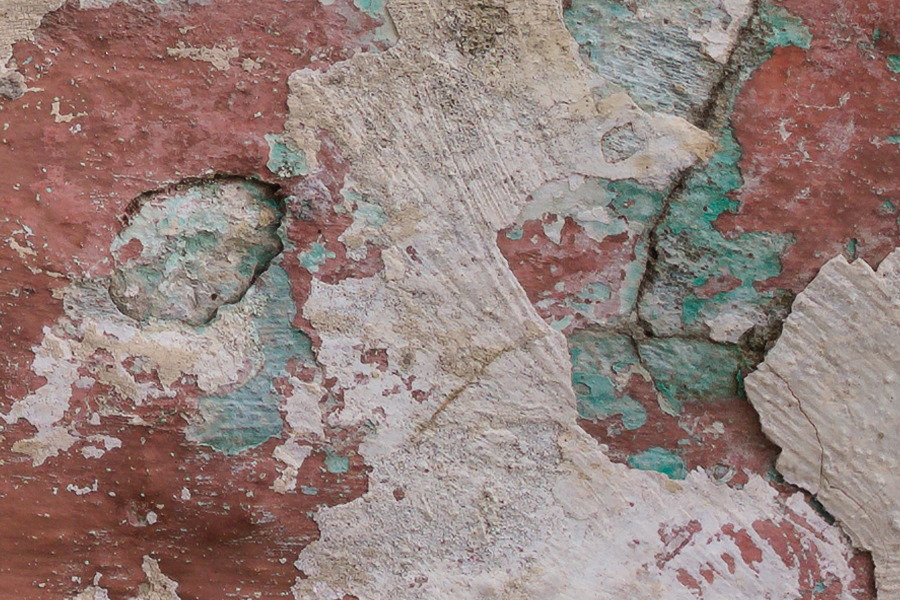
510	301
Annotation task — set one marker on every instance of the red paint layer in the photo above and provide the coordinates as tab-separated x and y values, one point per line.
814	126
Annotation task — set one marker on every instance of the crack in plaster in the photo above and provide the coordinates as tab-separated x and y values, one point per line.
449	143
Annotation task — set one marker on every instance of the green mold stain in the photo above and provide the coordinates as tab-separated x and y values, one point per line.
285	160
249	416
689	370
315	257
785	29
598	363
334	463
659	460
893	63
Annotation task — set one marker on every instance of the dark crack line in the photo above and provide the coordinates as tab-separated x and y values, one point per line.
822	476
473	380
711	119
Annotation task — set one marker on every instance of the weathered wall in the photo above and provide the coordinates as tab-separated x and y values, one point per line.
448	299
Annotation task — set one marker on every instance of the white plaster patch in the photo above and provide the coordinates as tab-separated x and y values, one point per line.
223	354
301	408
720	36
219	57
292	455
20	19
81	491
728	327
504	496
828	394
92	593
158	586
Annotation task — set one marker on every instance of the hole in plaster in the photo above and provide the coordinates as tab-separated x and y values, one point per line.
202	245
12	86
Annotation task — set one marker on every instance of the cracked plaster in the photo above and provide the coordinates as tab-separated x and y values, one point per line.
466	128
827	394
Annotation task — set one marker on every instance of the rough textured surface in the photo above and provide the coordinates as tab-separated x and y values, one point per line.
508	231
18	19
490	463
833	410
188	251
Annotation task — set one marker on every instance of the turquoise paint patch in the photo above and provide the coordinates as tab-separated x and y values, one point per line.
373	8
285	160
599	363
893	63
335	463
785	29
515	233
893	139
247	417
583	302
692	252
309	491
659	460
689	370
648	52
636	202
370	214
561	324
315	257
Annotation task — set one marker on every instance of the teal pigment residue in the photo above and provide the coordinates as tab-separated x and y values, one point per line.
659	460
250	415
335	463
785	29
689	370
693	252
373	8
284	159
315	257
601	367
893	63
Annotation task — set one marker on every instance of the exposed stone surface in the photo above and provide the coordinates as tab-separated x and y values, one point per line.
827	393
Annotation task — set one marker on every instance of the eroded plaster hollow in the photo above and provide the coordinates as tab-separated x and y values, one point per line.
189	249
